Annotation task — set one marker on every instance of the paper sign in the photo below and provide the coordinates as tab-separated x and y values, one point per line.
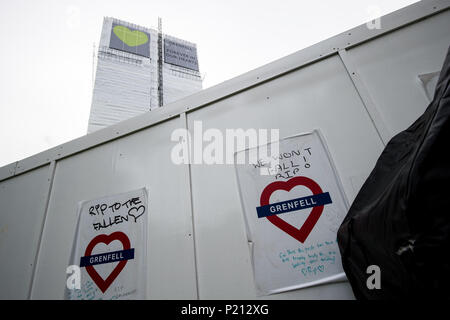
110	247
293	204
125	38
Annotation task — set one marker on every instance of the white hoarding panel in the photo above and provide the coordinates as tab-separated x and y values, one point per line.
22	211
320	95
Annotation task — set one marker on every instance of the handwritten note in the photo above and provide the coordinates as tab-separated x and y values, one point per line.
287	164
110	214
310	260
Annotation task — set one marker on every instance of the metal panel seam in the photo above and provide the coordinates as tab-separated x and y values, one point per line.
188	175
51	175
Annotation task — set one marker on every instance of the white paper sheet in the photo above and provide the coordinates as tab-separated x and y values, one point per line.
110	247
292	211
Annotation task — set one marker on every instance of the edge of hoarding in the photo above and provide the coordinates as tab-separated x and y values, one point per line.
343	41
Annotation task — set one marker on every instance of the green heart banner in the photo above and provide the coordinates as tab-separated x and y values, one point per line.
128	39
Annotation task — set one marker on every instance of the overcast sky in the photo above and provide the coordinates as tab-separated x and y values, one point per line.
47	46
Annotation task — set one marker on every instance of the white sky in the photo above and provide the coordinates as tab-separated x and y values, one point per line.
46	51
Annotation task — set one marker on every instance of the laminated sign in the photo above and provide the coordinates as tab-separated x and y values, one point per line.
110	247
293	204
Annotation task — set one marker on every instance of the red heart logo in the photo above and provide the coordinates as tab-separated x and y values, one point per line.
107	239
302	233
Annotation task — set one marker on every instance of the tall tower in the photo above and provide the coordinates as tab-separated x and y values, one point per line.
139	69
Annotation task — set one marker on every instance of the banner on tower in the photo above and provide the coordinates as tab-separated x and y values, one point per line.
180	53
128	39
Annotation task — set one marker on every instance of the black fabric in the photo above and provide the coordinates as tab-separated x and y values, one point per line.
400	219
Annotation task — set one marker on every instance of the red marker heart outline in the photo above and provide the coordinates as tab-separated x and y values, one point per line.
302	233
107	239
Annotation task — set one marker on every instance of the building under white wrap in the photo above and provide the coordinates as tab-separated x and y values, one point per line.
128	76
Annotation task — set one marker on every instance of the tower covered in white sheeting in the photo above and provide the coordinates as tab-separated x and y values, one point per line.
138	70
